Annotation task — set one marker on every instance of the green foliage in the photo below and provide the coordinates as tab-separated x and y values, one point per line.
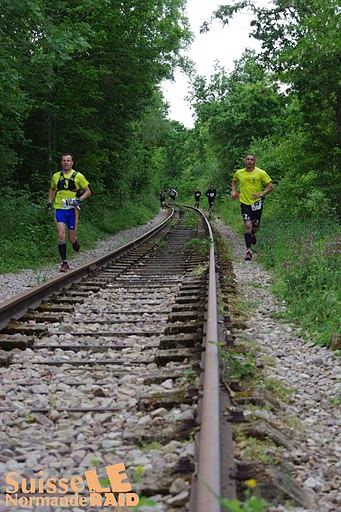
301	42
13	103
229	211
306	261
80	77
303	251
109	216
226	104
199	270
25	230
203	245
301	48
276	388
252	502
29	237
237	365
190	376
145	501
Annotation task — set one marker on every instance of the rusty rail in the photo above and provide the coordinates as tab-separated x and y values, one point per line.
208	478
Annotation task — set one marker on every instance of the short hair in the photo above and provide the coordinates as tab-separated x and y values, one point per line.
68	153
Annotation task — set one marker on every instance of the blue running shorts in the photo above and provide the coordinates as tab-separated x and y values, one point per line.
68	217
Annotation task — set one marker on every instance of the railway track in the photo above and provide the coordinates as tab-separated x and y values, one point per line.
113	364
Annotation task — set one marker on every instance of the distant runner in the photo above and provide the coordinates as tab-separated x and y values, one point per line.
197	195
173	195
163	196
211	194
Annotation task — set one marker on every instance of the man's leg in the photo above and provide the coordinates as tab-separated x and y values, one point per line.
248	234
246	212
62	246
61	239
72	229
255	224
253	233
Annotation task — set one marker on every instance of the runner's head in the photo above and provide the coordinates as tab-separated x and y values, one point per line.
67	161
250	161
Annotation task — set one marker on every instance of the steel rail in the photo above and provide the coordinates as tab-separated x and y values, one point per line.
14	308
208	484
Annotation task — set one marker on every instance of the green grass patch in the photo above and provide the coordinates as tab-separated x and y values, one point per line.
203	244
29	237
304	258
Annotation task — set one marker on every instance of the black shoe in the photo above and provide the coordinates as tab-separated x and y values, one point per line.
248	256
76	246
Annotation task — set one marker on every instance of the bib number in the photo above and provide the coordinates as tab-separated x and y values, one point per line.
69	204
256	206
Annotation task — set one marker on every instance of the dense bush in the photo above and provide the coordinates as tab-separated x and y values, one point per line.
304	258
28	235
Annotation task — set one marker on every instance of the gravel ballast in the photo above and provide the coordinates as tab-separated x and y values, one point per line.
312	375
297	363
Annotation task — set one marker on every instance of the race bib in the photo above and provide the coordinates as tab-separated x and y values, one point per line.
256	206
68	204
65	205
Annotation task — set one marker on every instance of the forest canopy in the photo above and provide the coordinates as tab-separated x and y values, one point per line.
77	76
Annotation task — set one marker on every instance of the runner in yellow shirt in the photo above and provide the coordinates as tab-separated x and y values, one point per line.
252	181
68	189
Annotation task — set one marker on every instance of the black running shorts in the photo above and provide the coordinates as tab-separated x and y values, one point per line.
252	212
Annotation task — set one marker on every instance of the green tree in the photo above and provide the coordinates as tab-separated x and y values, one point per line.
15	20
302	47
237	108
88	74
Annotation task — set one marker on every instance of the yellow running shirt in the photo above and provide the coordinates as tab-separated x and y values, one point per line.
80	182
251	183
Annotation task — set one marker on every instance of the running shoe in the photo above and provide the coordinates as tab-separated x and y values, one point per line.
253	239
76	246
64	266
248	256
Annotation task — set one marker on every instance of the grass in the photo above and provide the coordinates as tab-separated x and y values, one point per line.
28	236
237	365
199	270
256	449
276	389
252	502
303	256
203	244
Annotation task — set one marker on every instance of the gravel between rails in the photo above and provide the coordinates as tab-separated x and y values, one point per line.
314	372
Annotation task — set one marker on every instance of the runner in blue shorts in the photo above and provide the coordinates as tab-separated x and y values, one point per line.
68	189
